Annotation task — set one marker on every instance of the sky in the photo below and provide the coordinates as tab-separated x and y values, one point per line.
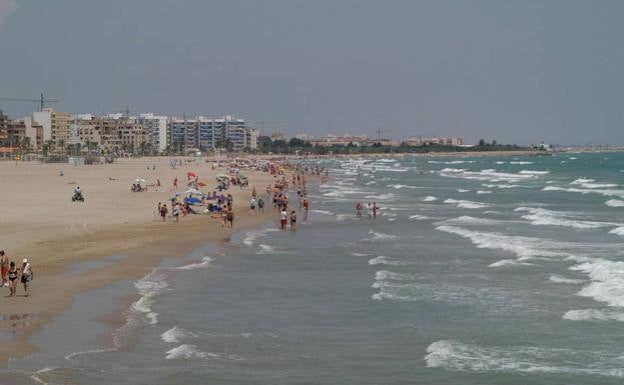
514	71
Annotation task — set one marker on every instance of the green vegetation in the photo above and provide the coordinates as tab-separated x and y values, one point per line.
297	146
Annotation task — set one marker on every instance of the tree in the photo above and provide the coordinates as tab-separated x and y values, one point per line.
296	142
61	144
481	143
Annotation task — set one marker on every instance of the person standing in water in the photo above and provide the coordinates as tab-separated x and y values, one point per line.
293	220
283	219
306	208
27	274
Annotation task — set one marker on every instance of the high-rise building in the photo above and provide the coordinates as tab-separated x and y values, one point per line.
207	134
156	127
55	126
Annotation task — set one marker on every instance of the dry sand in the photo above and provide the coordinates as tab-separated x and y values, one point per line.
40	222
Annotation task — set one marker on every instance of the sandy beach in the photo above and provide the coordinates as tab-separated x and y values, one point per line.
41	222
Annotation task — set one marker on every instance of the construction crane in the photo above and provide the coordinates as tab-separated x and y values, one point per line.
262	123
380	132
42	101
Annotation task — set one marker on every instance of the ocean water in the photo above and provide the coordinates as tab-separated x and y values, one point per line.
478	271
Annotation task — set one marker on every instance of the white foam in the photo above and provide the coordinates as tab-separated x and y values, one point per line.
540	216
559	279
385	275
618	231
176	334
380	236
491	175
461	190
466	204
500	186
400	186
359	254
509	262
324	212
590	184
468	220
453	355
607	280
265	249
520	162
206	261
533	172
483	192
148	288
614	203
452	162
429	198
189	351
603	192
71	356
419	217
593	315
523	247
381	260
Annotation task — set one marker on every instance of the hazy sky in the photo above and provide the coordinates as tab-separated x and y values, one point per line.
515	71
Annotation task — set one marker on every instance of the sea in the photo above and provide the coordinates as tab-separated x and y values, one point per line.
477	270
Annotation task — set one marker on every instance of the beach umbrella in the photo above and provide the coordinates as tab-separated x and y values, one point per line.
219	177
193	191
174	196
191	174
139	180
201	184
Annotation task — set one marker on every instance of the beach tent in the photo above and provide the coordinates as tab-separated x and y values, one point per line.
222	177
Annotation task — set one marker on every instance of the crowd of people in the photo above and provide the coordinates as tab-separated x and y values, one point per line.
11	274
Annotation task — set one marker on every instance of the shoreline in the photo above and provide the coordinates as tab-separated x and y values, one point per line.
139	244
137	262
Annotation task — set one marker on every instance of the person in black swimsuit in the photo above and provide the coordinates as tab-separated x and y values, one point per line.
12	278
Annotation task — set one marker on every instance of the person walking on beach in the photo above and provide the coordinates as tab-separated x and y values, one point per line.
375	208
370	210
293	220
260	205
163	212
27	275
4	267
283	219
175	211
358	209
12	278
175	183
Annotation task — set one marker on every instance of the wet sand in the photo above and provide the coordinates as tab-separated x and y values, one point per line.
40	222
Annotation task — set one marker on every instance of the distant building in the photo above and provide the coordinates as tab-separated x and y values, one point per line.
446	141
278	135
55	126
156	127
340	140
112	134
208	134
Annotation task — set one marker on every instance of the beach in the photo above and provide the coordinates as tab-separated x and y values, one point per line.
475	270
41	222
